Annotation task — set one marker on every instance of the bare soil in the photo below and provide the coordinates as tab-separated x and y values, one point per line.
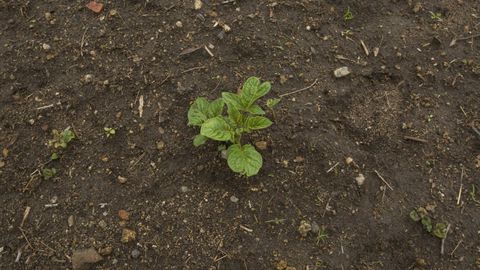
409	111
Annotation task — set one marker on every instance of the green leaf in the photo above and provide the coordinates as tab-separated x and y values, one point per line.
232	100
216	129
199	140
414	216
427	223
54	156
215	108
272	102
257	122
235	116
48	173
244	159
440	230
253	90
255	109
198	112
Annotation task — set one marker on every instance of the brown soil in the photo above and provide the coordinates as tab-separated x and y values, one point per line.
418	85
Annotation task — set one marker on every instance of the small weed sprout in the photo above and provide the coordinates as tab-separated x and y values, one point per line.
439	229
322	235
243	115
436	16
61	139
348	15
48	173
109	132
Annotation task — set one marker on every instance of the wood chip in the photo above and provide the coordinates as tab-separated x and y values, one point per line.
140	105
365	48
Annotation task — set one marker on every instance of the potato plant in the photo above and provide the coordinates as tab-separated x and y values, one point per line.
243	115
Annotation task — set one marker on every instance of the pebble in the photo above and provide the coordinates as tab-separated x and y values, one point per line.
121	179
198	4
341	72
184	189
360	179
179	24
102	224
224	154
128	235
233	199
262	145
88	78
2	163
124	215
46	47
105	251
304	228
70	221
135	253
80	258
315	227
160	145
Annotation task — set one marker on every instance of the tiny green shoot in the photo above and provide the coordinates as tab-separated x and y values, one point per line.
322	235
243	115
61	139
109	132
420	214
436	16
348	15
54	156
48	173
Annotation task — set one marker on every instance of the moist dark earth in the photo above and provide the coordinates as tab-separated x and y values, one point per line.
408	112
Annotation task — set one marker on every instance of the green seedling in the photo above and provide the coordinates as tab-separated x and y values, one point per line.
348	15
61	139
436	16
54	156
48	173
473	194
109	132
322	235
276	221
420	214
243	115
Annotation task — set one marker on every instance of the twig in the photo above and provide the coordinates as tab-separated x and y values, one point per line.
82	42
442	249
25	215
192	69
299	90
461	187
137	161
333	167
45	107
458	244
476	131
416	139
384	181
246	228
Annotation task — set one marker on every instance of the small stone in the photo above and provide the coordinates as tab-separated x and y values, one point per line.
113	13
299	159
281	265
160	145
46	47
102	224
88	78
48	16
95	6
233	199
135	253
223	154
121	179
315	227
304	228
179	24
226	28
308	28
341	72
421	262
262	145
31	121
2	163
198	4
123	215
128	235
348	160
360	179
105	251
417	7
70	221
81	258
184	189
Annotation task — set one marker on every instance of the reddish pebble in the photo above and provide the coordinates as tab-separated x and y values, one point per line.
95	7
124	215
